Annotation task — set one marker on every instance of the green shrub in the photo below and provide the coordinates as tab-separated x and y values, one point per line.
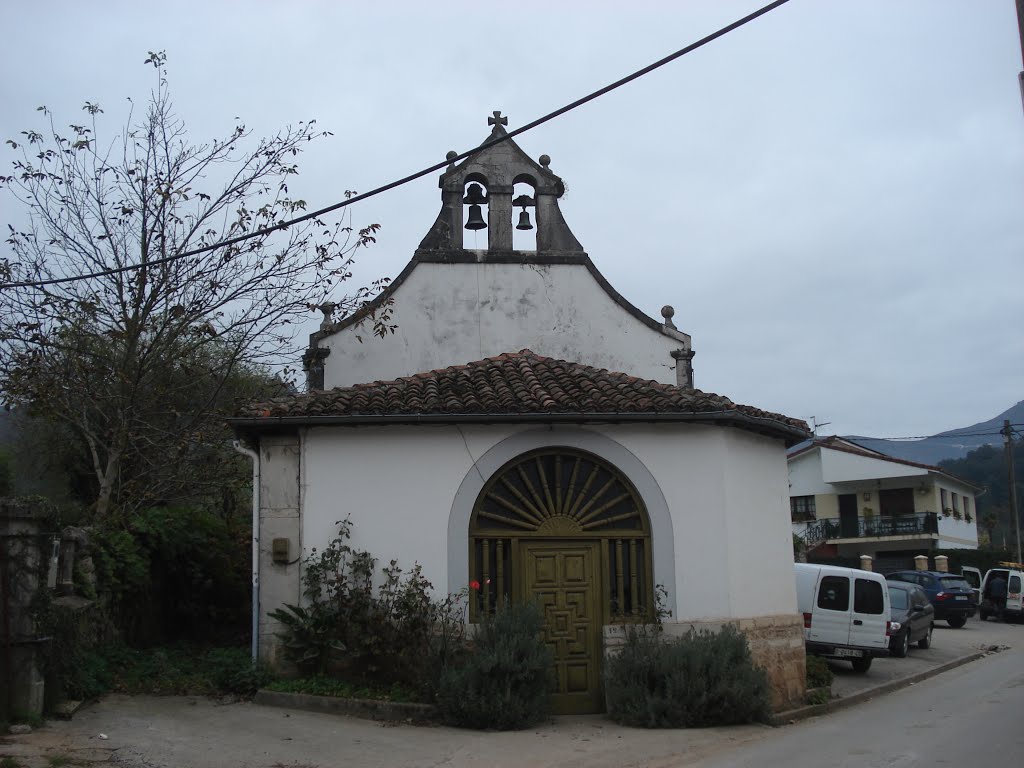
232	670
504	682
701	679
819	673
393	632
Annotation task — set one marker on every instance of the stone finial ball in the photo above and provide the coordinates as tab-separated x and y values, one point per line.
667	311
452	154
545	160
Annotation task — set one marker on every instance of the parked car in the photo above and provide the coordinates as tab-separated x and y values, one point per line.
846	613
912	618
1013	575
950	595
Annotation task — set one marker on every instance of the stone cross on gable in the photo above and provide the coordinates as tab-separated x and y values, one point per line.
497	119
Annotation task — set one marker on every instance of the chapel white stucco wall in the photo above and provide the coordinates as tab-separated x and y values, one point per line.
449	314
717	499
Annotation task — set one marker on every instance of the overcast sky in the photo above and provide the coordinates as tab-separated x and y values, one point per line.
832	197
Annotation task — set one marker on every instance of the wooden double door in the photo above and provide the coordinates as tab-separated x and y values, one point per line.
564	577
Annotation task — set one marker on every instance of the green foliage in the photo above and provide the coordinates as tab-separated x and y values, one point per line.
175	574
6	472
363	633
171	670
7	761
504	682
231	670
331	686
702	679
819	673
310	636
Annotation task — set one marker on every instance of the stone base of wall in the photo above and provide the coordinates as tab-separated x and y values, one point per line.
776	644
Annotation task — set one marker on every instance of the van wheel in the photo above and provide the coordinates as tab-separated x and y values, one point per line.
957	621
926	642
902	645
861	665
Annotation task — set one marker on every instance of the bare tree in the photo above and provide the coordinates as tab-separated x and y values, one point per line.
137	357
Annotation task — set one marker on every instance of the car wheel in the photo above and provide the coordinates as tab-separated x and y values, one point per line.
926	641
957	621
861	665
902	645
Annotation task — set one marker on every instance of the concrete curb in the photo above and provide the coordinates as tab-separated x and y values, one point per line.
370	709
834	705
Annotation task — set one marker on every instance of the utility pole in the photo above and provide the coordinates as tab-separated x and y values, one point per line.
1020	77
1008	434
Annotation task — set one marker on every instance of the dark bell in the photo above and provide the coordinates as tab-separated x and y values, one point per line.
524	220
476	219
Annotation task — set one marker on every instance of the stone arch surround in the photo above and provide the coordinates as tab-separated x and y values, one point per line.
662	536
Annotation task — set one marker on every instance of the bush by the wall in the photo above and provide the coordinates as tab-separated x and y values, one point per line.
819	673
701	679
504	682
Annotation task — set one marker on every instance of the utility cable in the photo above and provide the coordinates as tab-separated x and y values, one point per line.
419	174
925	437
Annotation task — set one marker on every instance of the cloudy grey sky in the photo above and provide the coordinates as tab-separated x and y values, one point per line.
831	197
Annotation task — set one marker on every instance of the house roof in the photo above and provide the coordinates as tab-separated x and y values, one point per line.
836	443
515	386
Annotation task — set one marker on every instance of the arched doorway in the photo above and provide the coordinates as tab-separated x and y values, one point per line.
566	528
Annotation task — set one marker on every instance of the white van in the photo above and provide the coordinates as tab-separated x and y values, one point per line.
1013	575
846	613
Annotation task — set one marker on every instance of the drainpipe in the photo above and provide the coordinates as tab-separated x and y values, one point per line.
244	449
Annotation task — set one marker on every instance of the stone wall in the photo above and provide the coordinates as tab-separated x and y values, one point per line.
776	644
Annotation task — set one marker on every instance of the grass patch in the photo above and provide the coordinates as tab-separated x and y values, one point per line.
9	762
819	673
61	761
321	685
179	670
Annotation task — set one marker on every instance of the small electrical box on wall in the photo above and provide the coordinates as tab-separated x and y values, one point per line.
279	551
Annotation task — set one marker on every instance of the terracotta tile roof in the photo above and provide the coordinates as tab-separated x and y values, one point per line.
514	383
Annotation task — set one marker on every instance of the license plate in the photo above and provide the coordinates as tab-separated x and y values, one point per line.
961	597
848	653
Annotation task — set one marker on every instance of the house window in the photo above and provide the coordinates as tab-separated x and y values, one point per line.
945	499
956	503
801	509
967	508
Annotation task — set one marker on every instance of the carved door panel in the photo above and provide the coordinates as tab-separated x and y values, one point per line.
564	578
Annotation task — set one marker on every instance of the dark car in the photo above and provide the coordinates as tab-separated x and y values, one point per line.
950	595
912	617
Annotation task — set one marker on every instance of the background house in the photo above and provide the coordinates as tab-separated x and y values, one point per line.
539	474
847	501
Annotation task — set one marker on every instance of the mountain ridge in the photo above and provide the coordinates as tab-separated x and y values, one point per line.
951	444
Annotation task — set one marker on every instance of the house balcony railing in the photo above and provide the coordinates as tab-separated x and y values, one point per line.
895	526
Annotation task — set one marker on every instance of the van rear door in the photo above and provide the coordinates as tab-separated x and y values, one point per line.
1014	593
870	613
973	577
831	622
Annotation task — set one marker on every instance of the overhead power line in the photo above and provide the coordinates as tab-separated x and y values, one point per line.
929	437
418	174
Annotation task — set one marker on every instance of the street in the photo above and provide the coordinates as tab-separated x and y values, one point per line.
966	716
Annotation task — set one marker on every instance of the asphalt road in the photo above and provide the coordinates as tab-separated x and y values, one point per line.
968	716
